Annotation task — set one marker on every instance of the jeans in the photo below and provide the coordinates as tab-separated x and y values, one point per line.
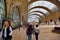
36	35
30	37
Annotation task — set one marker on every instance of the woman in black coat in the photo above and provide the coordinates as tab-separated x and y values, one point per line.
7	30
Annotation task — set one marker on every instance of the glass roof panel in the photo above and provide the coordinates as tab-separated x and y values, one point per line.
46	4
40	9
34	16
37	13
31	18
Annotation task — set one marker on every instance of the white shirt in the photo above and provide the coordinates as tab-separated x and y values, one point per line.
5	30
10	31
36	29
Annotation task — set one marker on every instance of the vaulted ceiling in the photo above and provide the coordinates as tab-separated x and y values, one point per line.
47	9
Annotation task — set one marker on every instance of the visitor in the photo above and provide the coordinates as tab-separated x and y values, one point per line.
29	32
36	29
7	30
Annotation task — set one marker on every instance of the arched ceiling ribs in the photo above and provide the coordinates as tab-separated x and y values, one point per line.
41	7
45	4
35	16
56	2
39	13
41	10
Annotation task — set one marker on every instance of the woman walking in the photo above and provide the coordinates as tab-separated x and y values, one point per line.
36	32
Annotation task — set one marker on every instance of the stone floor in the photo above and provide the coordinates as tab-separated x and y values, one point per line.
45	34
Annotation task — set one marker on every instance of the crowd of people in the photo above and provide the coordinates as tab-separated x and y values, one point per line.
7	30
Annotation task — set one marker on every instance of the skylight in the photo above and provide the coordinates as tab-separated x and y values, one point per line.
46	4
37	13
40	9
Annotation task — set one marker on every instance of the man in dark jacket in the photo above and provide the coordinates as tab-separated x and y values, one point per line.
29	32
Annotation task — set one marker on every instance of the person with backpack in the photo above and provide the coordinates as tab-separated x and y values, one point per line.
36	29
6	30
29	32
